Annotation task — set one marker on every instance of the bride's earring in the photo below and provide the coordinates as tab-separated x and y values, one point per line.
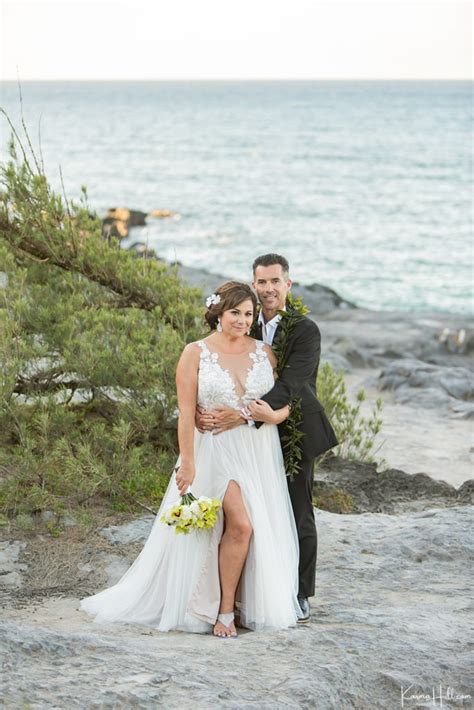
219	327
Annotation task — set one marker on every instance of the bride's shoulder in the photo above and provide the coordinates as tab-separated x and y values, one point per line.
260	346
194	345
192	351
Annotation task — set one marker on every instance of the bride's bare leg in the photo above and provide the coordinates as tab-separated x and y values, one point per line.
232	552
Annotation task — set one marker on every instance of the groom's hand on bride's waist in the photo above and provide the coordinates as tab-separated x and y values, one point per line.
218	420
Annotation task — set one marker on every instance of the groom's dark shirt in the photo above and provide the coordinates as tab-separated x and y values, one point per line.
298	379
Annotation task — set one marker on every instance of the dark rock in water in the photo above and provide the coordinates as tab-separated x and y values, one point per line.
119	220
135	218
390	491
114	228
320	299
430	385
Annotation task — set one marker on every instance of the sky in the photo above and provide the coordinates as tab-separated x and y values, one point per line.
235	39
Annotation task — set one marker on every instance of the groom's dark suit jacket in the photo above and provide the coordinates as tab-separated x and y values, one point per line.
299	379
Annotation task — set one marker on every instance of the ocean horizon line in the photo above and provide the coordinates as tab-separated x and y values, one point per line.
245	80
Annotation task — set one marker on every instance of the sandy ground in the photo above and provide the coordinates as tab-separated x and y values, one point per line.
418	439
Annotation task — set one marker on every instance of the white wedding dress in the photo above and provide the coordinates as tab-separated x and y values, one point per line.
174	582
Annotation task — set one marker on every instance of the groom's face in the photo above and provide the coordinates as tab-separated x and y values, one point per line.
271	285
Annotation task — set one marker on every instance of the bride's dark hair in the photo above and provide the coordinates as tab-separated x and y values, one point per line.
231	293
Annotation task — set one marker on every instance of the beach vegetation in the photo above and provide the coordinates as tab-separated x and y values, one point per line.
90	338
357	433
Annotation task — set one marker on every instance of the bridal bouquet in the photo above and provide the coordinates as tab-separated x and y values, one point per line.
191	513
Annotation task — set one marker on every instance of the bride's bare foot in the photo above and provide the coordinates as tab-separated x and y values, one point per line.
224	626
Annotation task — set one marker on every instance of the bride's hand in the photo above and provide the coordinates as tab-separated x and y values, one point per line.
262	412
184	477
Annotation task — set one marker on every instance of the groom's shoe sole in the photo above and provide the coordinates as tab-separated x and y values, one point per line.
303	621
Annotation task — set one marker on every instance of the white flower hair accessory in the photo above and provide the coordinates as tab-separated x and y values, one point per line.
213	299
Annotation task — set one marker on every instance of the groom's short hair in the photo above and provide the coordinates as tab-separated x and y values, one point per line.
270	260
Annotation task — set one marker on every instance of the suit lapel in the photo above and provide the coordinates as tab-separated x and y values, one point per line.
256	330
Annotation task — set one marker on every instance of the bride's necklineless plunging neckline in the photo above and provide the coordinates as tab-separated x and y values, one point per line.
255	356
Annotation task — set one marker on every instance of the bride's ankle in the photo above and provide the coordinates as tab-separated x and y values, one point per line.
226	617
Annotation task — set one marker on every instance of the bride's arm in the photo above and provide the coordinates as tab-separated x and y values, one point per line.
186	387
262	412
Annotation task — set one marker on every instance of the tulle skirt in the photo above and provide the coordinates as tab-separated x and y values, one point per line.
174	581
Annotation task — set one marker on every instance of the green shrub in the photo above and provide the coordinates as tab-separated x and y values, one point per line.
356	434
91	335
337	501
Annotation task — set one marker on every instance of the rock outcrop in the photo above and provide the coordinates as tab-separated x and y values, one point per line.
390	491
119	220
389	618
431	385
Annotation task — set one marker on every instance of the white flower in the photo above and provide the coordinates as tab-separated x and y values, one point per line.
185	512
195	509
212	299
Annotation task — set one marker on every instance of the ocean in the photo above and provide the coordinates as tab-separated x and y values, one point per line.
365	186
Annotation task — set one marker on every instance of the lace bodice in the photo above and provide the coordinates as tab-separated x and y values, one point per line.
233	380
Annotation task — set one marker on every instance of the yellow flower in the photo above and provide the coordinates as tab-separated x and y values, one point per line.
175	513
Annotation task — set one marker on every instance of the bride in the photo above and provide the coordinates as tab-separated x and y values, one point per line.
248	563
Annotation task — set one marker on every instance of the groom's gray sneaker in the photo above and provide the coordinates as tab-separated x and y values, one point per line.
303	618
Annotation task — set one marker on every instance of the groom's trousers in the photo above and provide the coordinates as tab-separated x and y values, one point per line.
301	494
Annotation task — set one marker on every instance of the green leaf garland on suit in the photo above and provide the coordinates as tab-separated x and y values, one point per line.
291	440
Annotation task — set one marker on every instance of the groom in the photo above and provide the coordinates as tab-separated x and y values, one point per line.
298	379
